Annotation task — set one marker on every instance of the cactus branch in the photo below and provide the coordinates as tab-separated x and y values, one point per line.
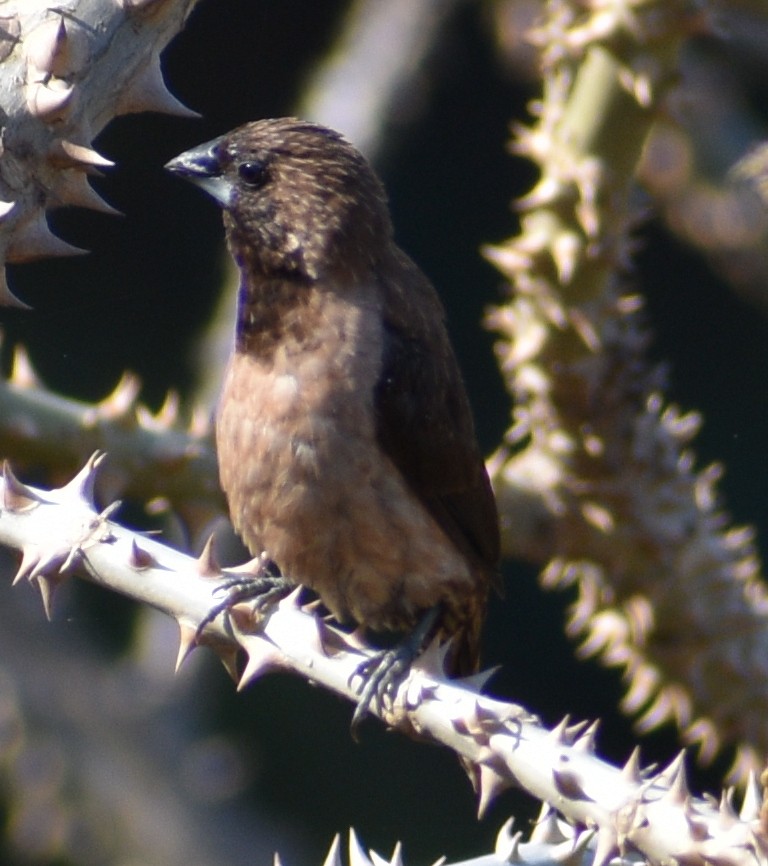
66	72
594	451
650	811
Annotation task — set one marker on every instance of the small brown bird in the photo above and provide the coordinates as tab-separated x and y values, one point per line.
345	440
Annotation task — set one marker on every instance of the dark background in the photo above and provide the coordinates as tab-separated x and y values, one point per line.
142	297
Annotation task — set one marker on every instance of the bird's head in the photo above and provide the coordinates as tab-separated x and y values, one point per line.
298	199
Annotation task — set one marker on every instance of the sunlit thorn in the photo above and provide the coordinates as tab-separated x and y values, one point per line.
148	92
357	856
187	643
17	497
122	400
262	658
22	372
48	586
477	682
82	484
30	558
492	783
333	857
7	298
631	771
207	564
140	559
65	153
228	657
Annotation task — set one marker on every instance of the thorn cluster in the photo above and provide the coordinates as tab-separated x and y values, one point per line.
151	454
634	526
46	559
66	73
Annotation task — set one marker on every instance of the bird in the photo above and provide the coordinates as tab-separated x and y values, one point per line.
345	441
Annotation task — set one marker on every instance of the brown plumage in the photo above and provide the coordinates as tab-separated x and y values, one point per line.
346	444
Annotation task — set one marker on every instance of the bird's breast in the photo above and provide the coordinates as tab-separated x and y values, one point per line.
294	420
307	481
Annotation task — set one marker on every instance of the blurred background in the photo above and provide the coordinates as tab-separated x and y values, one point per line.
117	749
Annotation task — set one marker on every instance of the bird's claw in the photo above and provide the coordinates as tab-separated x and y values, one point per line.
383	672
263	590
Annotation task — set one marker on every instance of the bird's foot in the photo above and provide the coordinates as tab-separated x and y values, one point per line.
263	589
383	672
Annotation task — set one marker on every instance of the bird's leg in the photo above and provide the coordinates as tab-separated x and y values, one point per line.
382	672
264	588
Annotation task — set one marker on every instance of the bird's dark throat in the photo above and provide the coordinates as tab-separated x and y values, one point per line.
269	313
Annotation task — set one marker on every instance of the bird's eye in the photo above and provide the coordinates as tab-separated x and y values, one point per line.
252	173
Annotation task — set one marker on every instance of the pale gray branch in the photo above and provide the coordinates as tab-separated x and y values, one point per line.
653	813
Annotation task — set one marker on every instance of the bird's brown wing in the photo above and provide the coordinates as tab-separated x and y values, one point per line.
424	422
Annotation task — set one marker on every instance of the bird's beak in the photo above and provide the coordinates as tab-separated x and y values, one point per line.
201	166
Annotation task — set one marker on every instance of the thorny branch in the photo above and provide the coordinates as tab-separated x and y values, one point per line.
648	812
594	459
64	78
